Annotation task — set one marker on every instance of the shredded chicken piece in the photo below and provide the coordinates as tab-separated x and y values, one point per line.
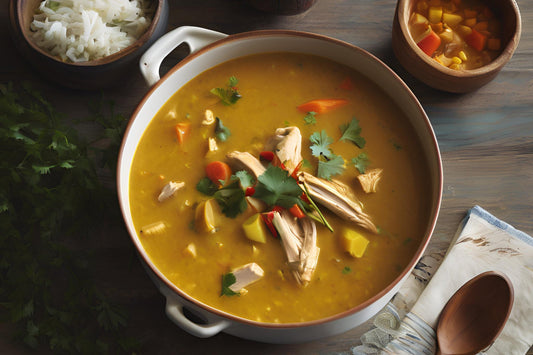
212	145
245	160
338	198
170	189
246	275
287	144
369	180
209	118
299	239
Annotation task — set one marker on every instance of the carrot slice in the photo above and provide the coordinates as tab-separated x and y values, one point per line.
476	40
430	43
218	172
322	105
182	131
296	211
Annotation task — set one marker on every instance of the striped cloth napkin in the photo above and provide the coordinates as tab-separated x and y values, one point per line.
482	243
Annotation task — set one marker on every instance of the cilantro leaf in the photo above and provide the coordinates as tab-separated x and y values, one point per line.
333	166
206	186
321	142
361	162
352	132
276	187
229	95
222	132
310	118
231	199
245	178
228	280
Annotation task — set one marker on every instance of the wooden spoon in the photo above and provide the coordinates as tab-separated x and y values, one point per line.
475	315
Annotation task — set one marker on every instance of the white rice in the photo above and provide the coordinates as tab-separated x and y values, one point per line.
83	30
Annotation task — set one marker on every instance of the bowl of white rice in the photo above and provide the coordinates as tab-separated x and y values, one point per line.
86	44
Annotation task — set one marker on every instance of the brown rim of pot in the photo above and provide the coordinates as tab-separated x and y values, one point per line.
407	269
19	18
403	12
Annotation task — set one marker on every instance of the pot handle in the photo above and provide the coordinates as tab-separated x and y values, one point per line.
174	310
195	37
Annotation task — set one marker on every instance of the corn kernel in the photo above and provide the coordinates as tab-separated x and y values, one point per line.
455	66
456	60
462	55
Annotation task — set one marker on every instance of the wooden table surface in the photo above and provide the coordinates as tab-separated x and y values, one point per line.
486	140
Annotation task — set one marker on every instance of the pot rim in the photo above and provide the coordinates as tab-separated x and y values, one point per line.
289	33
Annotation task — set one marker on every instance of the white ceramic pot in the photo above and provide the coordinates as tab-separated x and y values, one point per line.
209	48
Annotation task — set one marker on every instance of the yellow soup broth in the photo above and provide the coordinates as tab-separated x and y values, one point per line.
271	86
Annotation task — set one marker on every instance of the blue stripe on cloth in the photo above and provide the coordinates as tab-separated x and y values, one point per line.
480	212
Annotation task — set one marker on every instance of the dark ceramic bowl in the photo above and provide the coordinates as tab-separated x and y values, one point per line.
94	74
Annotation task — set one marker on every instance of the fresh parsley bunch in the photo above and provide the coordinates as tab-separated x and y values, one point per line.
49	194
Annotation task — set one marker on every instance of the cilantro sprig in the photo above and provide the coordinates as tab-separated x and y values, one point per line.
228	95
361	162
276	188
352	132
329	164
228	280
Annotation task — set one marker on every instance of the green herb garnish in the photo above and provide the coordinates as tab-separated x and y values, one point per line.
229	95
228	280
346	270
329	164
352	132
310	118
276	187
361	162
49	195
221	132
245	178
231	199
206	186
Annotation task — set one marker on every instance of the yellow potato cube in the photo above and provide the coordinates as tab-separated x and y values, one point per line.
254	229
451	20
354	243
435	14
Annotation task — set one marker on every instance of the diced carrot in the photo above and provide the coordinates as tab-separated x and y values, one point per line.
347	84
296	211
430	43
218	172
182	131
476	40
322	105
277	208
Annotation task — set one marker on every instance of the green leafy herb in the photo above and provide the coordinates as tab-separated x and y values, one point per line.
231	199
50	194
329	167
361	162
221	132
352	132
346	270
276	187
321	142
329	164
228	280
310	118
206	186
245	178
229	95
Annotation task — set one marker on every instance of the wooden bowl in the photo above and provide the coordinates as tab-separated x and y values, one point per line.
94	74
427	70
